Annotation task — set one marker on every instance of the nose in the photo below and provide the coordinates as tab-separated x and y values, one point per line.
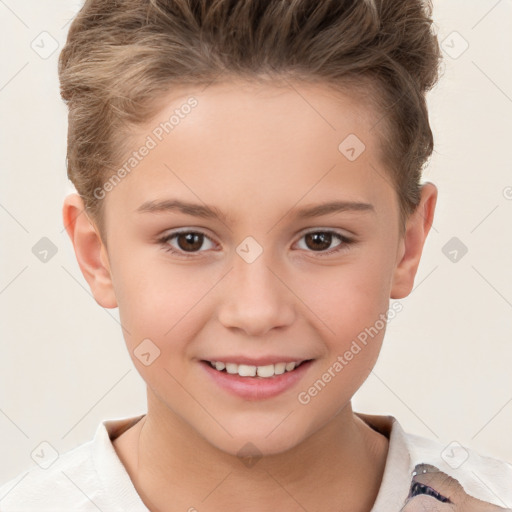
255	298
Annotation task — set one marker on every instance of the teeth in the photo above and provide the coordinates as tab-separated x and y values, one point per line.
290	366
265	371
279	368
245	370
231	368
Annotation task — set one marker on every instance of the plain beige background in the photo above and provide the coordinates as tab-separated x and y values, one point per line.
444	371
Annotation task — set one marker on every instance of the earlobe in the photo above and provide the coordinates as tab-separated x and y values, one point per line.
417	229
90	251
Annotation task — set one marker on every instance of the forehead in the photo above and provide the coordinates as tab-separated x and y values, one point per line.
290	114
272	143
318	104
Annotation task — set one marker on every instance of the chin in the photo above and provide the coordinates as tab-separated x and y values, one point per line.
254	445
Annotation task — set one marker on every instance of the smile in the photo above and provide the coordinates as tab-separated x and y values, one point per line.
245	370
251	382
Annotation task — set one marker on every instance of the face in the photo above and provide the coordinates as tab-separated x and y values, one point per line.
245	274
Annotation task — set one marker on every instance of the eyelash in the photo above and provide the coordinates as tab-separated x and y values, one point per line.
164	241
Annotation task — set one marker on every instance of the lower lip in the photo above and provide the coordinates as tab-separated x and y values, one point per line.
257	388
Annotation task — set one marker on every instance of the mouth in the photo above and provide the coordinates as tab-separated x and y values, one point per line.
263	371
251	382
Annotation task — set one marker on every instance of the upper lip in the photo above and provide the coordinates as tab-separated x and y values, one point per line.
257	361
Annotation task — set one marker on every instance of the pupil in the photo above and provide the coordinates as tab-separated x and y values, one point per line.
190	237
319	237
321	240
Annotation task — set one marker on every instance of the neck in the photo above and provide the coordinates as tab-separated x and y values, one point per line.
339	467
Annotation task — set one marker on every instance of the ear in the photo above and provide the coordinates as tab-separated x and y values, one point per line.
417	227
91	253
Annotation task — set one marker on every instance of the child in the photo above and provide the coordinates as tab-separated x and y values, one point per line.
249	196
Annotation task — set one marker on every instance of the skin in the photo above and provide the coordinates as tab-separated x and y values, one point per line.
257	153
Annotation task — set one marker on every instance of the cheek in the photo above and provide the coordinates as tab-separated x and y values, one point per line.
352	304
157	308
349	297
156	299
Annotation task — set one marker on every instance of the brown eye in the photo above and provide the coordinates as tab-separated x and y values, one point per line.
189	241
186	242
319	240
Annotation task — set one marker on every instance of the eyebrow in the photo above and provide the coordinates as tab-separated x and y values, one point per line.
210	212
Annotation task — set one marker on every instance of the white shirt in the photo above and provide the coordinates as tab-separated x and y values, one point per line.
92	478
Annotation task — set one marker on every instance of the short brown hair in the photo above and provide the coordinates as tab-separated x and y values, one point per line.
122	55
